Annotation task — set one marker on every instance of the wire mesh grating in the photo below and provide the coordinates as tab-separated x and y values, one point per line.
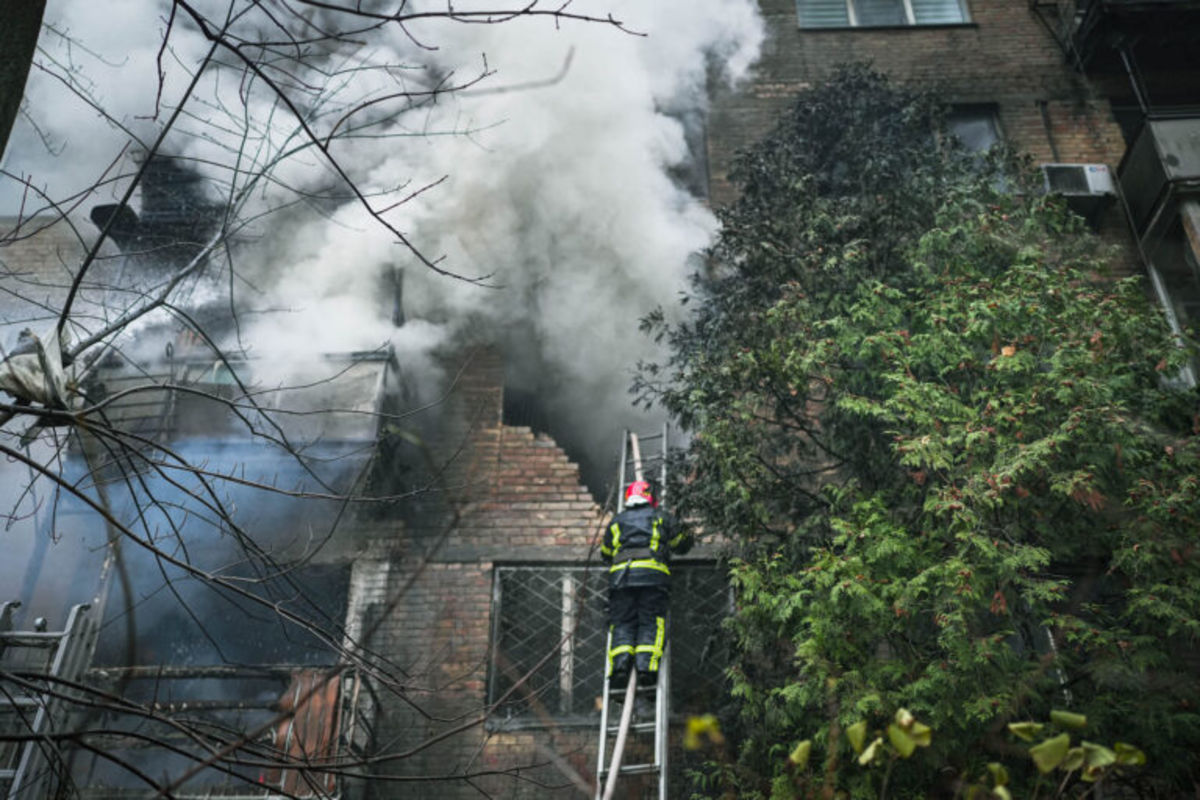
549	632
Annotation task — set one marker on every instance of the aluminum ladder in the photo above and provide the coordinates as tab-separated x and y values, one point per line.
609	768
31	770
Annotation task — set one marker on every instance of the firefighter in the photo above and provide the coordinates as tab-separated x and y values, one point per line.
637	547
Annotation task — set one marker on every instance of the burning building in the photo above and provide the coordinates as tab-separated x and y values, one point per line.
345	548
232	588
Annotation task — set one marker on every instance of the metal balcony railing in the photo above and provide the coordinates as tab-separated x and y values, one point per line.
308	722
1093	33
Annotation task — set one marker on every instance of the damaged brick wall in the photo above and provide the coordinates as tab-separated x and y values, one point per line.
511	496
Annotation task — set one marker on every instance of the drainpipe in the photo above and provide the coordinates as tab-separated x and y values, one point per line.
1135	78
1042	107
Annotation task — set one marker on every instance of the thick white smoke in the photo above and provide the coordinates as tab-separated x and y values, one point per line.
564	198
558	187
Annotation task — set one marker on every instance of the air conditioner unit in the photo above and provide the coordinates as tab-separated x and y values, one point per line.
1078	180
1088	188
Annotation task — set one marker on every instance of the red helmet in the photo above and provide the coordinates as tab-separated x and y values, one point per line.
639	493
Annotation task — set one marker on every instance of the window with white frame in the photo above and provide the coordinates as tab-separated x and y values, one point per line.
549	628
880	13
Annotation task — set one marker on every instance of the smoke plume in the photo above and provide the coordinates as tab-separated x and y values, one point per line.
559	185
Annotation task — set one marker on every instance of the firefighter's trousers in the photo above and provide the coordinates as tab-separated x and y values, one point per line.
637	617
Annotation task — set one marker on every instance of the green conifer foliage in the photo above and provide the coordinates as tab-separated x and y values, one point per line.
957	465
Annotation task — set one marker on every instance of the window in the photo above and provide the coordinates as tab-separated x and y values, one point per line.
536	608
879	13
977	128
1175	277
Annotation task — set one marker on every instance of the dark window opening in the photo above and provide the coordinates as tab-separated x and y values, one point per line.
524	408
976	127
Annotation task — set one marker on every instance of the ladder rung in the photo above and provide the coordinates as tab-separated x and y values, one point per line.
638	769
636	727
32	638
14	702
7	773
632	769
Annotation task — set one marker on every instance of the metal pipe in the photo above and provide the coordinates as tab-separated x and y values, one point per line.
621	471
217	705
1135	80
614	769
1043	107
151	671
637	457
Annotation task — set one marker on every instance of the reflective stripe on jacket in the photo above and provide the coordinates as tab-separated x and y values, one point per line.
638	546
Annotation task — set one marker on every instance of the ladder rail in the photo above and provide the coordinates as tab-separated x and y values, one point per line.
634	461
663	699
662	717
614	770
29	777
604	706
608	774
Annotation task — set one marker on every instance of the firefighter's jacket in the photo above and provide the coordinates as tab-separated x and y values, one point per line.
638	546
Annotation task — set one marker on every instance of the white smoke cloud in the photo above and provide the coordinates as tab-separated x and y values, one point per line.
564	199
562	194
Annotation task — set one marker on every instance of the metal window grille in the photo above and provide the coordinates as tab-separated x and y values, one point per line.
549	628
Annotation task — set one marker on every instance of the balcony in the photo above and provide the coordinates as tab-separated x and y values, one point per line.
1164	33
1161	167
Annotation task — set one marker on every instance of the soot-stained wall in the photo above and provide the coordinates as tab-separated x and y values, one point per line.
509	496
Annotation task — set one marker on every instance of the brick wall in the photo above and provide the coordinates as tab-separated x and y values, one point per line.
511	496
39	257
1004	56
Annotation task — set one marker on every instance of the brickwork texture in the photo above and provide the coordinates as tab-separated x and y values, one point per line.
1004	56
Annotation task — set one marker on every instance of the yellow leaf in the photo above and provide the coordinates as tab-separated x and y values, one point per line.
857	734
1074	759
1097	755
868	755
1128	755
922	734
800	754
706	726
1050	753
900	740
904	718
1025	730
1068	719
999	773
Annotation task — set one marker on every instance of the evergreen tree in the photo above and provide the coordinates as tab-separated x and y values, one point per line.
955	459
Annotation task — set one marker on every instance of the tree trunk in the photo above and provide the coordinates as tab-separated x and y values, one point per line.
20	23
